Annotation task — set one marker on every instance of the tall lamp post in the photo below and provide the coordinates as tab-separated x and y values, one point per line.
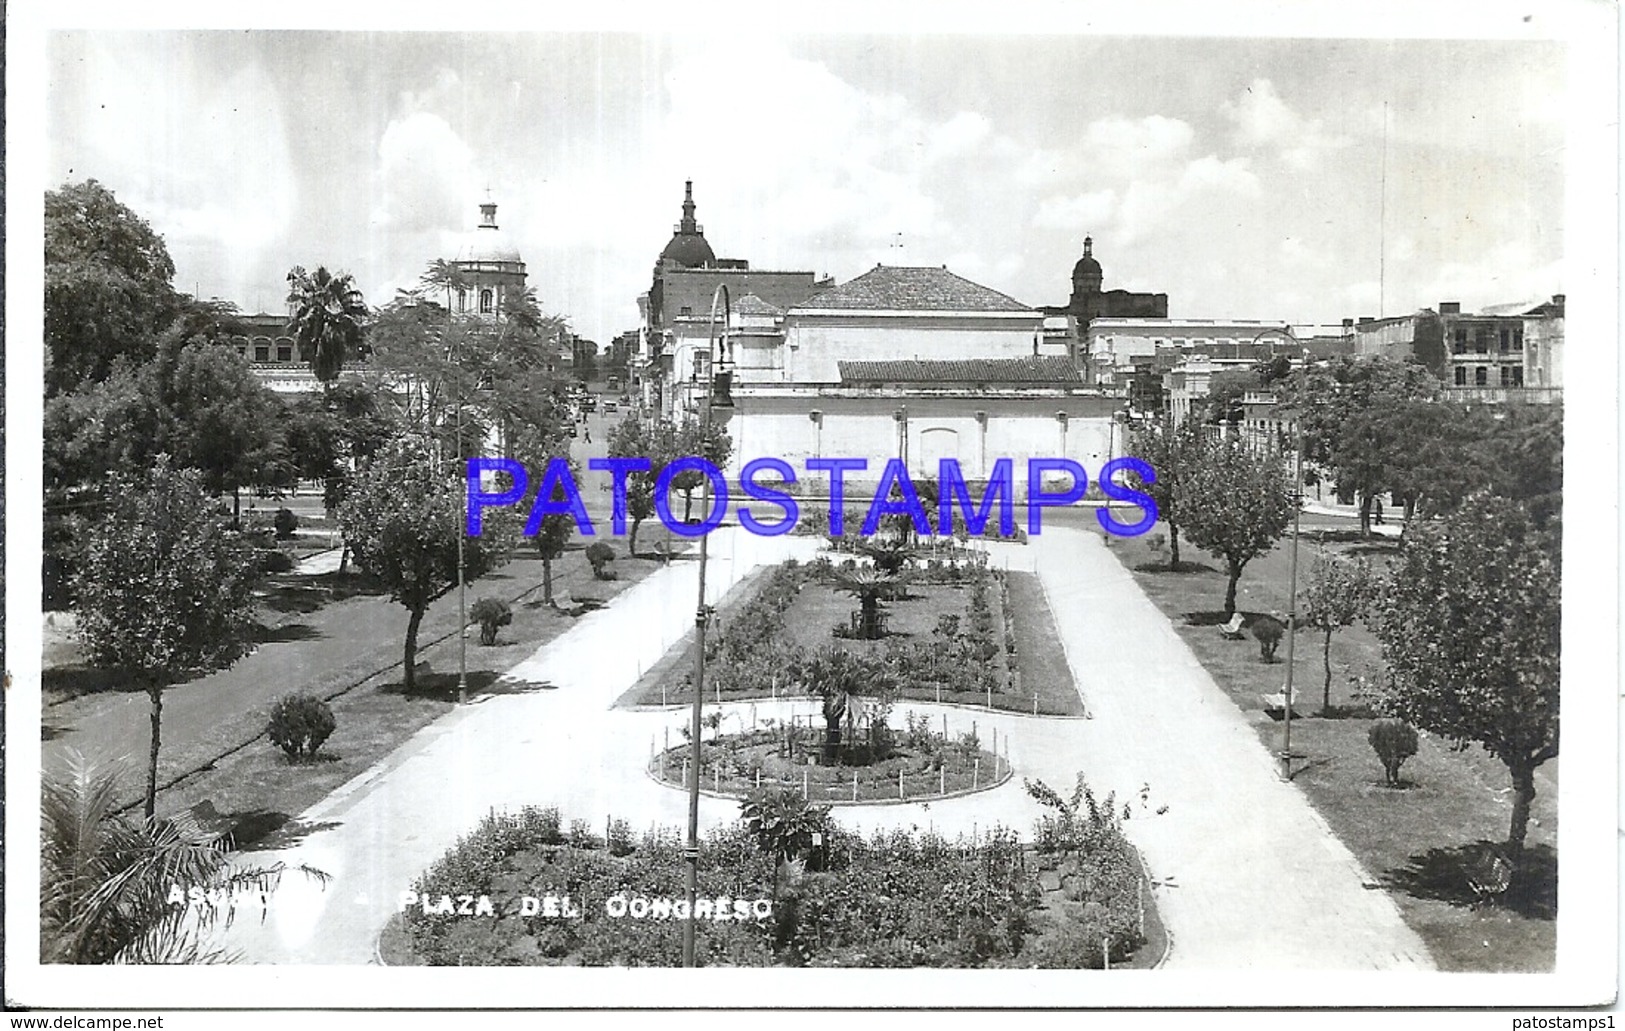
1292	576
717	394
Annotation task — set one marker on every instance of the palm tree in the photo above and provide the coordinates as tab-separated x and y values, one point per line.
838	676
107	883
449	277
868	585
327	319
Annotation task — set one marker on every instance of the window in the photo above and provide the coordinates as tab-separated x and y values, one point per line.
485	302
284	351
1506	339
685	310
1481	376
1461	375
262	351
1481	341
1461	339
1517	338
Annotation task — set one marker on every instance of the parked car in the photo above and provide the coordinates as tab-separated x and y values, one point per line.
611	407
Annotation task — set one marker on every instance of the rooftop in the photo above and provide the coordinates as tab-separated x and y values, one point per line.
901	288
1051	369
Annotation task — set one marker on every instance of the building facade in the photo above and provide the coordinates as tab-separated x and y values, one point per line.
674	338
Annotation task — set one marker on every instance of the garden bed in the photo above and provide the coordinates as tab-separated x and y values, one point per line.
923	765
895	899
955	632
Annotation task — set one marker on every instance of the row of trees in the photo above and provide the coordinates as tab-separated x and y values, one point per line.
152	416
1469	612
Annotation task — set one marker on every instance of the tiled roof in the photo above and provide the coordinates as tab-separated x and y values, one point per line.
894	288
1048	369
750	304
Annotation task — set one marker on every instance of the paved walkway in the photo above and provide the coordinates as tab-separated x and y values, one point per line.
1248	876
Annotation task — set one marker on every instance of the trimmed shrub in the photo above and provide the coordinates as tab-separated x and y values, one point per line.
1394	741
277	561
491	614
299	724
1268	631
285	523
600	555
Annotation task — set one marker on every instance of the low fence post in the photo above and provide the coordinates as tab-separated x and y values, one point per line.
976	773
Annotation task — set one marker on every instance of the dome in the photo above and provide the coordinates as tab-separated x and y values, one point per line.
688	247
689	250
488	243
1087	265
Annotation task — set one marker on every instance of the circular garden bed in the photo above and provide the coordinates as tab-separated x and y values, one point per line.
917	766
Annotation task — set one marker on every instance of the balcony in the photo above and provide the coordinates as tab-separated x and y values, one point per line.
1504	395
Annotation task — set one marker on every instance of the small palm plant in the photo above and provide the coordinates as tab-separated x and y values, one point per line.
868	585
108	884
837	677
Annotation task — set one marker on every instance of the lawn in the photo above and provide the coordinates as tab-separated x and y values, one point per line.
220	754
819	609
1417	840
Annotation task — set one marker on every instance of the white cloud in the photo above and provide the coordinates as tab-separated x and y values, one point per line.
1079	212
426	174
1264	121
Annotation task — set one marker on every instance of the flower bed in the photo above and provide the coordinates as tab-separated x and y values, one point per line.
951	634
896	899
876	765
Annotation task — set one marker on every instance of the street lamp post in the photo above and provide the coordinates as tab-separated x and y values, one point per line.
702	613
462	569
1292	575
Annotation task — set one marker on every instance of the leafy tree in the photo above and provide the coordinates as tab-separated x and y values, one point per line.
1236	504
1349	389
164	591
106	882
402	519
222	421
1339	592
107	285
551	539
837	677
633	438
328	319
1172	452
709	441
1225	391
1471	626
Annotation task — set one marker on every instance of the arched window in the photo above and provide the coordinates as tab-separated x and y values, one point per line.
485	302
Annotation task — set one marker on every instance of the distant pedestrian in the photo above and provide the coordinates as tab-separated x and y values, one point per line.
1378	503
589	434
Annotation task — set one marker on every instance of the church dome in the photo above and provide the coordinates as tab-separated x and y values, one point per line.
687	246
488	243
1087	265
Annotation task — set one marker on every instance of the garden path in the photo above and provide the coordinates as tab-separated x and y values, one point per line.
1248	877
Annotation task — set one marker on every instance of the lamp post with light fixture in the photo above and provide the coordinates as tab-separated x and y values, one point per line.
1292	576
717	395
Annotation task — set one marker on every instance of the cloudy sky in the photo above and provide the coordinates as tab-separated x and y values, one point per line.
1243	177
